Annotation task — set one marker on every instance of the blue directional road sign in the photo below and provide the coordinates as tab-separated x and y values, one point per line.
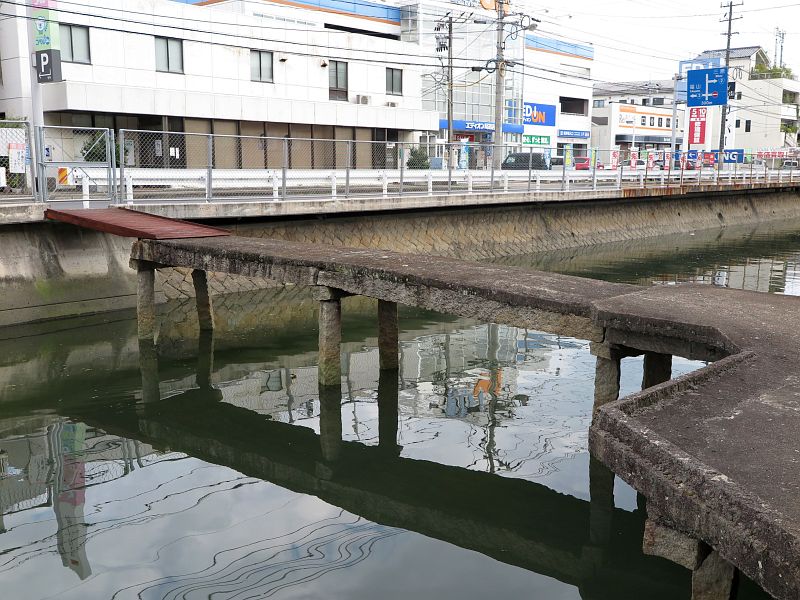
707	87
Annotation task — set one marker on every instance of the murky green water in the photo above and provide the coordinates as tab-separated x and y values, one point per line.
199	472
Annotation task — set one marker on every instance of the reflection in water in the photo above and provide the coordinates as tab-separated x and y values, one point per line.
131	471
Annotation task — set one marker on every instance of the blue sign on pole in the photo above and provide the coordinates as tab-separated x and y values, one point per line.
733	156
692	155
539	114
707	87
691	65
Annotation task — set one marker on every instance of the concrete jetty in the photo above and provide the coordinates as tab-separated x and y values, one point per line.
713	451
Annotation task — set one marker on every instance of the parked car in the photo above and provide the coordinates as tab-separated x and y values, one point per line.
790	165
556	161
583	163
522	161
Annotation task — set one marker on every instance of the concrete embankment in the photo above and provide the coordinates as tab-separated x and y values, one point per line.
50	271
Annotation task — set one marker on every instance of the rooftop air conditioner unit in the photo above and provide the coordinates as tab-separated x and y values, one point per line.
362	99
392	104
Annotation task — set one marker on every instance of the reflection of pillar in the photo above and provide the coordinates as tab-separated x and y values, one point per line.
148	364
205	358
330	338
3	471
388	335
205	312
657	369
146	300
601	503
330	421
388	392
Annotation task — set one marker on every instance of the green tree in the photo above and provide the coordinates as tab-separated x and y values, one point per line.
418	159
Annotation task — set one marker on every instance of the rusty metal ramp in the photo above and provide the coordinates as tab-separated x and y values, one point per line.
131	223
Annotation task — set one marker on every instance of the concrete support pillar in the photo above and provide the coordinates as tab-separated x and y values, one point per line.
148	365
146	300
205	312
713	579
388	413
388	335
205	358
330	422
660	539
330	338
657	369
606	380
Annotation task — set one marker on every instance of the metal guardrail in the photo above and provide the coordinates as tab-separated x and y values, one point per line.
85	164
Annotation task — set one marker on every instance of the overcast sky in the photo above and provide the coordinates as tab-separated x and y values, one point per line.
645	39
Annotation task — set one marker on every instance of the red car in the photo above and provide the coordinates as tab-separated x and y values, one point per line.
584	163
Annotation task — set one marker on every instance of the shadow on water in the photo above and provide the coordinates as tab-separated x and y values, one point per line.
214	465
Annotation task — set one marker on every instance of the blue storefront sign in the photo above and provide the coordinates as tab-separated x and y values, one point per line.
480	126
534	113
574	133
732	156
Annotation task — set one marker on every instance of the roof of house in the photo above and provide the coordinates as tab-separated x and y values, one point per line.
744	52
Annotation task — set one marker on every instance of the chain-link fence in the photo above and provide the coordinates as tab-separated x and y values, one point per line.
76	163
84	164
16	165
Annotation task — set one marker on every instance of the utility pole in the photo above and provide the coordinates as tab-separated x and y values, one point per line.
673	136
723	120
449	86
783	37
499	85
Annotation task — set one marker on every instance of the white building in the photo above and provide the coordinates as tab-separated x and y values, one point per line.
635	114
763	109
233	67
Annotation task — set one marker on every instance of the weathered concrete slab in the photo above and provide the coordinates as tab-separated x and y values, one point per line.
509	295
717	451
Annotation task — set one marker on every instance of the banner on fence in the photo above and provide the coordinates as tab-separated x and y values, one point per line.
3	177
16	158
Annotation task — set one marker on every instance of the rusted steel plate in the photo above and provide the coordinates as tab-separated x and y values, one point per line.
132	223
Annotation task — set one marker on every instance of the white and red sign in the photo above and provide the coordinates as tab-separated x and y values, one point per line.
697	125
651	160
615	159
634	158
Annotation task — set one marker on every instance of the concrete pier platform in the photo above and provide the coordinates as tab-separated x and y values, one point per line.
715	452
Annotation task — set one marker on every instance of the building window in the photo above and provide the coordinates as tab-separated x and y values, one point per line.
738	123
652	121
643	121
738	95
623	101
658	101
573	106
747	126
645	101
394	81
337	80
169	55
633	100
669	121
260	66
598	104
660	121
75	44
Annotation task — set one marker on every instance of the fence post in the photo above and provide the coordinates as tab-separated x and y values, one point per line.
85	195
594	170
129	188
210	168
30	143
430	182
766	173
564	172
505	182
285	166
642	178
469	181
347	170
683	167
491	179
538	182
385	183
123	184
530	167
333	185
43	165
449	168
402	169
621	170
113	185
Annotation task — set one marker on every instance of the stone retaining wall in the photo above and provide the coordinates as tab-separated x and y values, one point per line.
53	270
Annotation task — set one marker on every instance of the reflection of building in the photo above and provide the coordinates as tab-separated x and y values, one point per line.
54	467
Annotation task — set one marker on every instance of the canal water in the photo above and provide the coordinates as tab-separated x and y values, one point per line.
197	472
